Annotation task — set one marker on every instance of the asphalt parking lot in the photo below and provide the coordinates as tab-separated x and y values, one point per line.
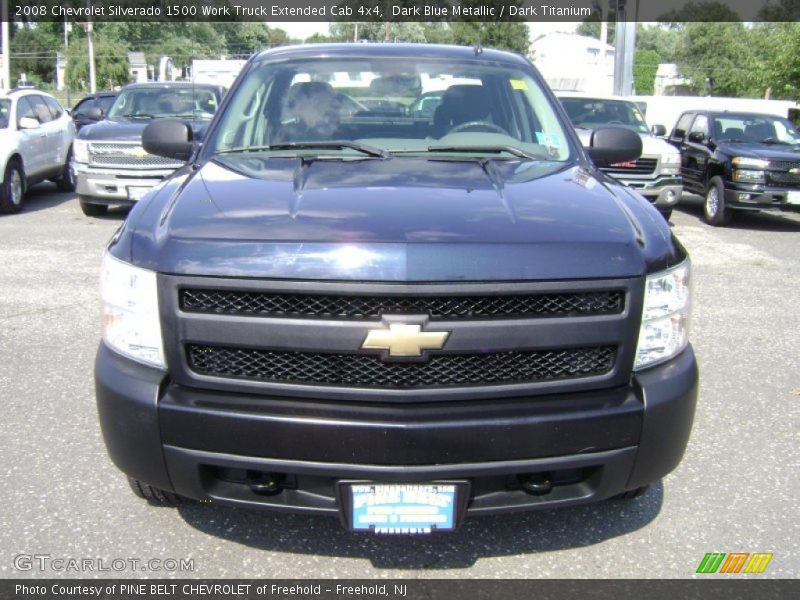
736	490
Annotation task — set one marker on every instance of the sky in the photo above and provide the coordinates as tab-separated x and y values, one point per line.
303	30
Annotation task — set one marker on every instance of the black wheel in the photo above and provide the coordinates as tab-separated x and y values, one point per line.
152	494
714	209
13	189
666	213
631	494
66	183
93	210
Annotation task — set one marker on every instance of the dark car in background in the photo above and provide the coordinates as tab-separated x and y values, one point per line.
110	165
82	113
739	161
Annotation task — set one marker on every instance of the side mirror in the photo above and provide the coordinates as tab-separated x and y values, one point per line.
95	114
697	137
168	138
28	123
608	145
658	130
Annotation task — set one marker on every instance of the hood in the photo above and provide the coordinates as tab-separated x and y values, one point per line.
399	219
763	151
123	130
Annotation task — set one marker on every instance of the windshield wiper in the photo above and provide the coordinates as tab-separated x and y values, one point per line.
487	149
772	140
321	145
138	116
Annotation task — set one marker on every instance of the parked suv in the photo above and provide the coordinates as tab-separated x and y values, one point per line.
656	173
393	318
110	165
739	161
35	139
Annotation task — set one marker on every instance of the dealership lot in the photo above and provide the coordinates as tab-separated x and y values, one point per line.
736	490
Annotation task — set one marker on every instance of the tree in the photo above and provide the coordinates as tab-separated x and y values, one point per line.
111	63
660	39
645	67
33	52
716	56
779	62
504	36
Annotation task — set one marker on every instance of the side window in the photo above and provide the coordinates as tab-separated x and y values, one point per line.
24	109
700	125
82	107
40	109
55	107
104	103
679	133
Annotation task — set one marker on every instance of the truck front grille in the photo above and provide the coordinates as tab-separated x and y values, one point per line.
127	156
316	368
783	178
268	304
640	166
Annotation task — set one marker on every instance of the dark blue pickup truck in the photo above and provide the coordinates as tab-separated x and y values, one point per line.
345	305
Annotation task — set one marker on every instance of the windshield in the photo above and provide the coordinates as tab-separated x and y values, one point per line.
391	106
591	113
5	109
156	102
764	129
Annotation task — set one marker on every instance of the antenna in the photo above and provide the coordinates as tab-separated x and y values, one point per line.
478	47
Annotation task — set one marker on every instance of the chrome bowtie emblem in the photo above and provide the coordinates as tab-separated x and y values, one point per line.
404	340
795	171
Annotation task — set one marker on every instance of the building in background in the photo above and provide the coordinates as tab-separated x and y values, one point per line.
138	67
572	62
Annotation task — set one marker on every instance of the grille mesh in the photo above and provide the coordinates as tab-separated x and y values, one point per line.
360	370
119	155
641	166
270	304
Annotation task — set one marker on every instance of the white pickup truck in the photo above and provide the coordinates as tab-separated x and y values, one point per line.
656	174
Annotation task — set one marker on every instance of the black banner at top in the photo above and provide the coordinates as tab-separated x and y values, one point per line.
366	11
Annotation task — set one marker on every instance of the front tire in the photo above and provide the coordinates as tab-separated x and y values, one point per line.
13	189
66	183
93	210
152	494
714	209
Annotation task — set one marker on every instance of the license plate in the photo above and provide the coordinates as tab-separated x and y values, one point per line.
402	508
793	197
137	193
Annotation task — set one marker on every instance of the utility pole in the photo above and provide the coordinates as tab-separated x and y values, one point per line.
625	46
355	33
6	73
90	43
67	28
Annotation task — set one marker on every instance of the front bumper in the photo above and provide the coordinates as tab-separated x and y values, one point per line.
107	186
760	197
210	445
664	191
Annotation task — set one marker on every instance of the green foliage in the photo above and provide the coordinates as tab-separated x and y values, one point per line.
662	40
111	63
30	46
503	36
645	66
718	51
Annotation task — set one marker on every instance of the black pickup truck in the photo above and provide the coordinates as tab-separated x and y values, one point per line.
739	161
348	306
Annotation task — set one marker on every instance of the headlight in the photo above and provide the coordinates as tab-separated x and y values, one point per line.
80	151
750	163
748	176
671	160
131	324
665	320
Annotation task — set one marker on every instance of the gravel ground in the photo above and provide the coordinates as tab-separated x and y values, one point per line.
736	489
